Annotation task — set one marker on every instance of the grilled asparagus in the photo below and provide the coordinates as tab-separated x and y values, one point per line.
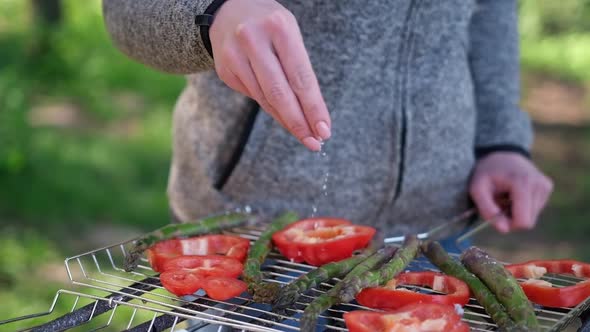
291	292
504	286
388	271
200	227
262	291
439	257
330	298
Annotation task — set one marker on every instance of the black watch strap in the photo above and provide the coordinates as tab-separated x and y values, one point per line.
205	20
481	152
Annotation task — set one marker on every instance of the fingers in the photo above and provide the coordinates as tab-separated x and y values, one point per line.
233	81
276	89
242	69
541	192
528	190
483	192
295	62
528	196
502	223
259	52
521	194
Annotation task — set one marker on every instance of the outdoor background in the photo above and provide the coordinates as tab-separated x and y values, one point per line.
85	141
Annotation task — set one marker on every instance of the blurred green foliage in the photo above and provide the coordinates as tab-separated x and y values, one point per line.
92	170
555	37
555	41
542	18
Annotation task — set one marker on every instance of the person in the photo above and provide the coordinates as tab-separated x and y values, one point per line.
418	100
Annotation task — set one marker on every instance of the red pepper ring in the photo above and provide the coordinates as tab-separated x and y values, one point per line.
425	317
318	241
390	298
542	292
216	244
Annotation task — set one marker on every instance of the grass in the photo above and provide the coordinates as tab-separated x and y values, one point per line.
109	165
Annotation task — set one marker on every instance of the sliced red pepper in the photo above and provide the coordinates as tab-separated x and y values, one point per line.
206	266
223	288
389	297
181	282
226	245
318	241
185	275
546	294
425	317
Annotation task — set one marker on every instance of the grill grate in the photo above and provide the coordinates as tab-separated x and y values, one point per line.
89	316
102	269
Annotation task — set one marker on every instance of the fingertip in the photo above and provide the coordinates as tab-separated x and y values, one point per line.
491	212
501	223
312	144
482	193
323	130
503	226
524	223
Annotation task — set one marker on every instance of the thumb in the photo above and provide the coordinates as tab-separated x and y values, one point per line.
482	192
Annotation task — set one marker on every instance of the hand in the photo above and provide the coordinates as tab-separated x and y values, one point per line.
259	52
507	173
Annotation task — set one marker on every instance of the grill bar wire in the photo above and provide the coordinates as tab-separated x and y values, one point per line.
89	313
141	290
171	321
91	310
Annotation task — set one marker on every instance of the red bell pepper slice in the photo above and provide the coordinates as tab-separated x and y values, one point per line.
207	266
185	275
181	282
226	245
424	317
223	288
318	241
389	297
544	293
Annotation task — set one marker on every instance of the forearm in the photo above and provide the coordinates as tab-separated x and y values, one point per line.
159	33
494	58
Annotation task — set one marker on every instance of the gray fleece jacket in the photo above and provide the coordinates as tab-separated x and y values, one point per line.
414	89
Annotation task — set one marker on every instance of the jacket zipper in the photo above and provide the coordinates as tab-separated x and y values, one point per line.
405	52
239	150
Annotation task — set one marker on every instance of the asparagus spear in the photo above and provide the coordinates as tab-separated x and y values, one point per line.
388	271
200	227
331	297
504	286
439	257
264	292
291	292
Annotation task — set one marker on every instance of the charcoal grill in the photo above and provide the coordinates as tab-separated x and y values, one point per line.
140	293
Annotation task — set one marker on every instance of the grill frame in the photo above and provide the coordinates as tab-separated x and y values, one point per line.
101	269
115	305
